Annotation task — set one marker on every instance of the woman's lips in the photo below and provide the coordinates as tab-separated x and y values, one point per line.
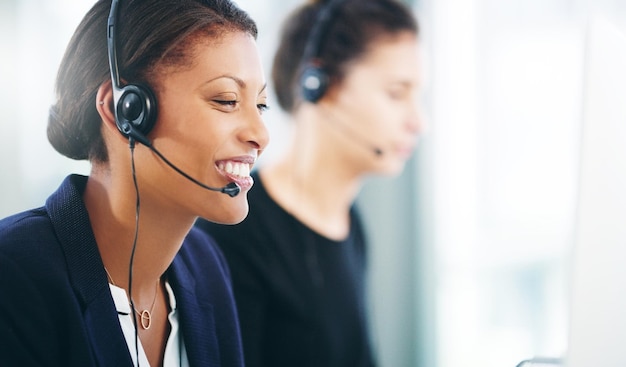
233	168
238	171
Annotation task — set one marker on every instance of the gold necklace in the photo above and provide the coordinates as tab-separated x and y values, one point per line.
145	315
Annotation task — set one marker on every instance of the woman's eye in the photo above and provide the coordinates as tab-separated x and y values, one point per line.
230	102
262	107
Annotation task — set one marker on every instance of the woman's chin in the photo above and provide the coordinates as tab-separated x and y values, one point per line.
232	214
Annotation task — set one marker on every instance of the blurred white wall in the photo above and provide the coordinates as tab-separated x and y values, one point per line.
501	177
33	38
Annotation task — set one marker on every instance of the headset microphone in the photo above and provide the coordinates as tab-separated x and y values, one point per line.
357	138
374	149
232	189
378	152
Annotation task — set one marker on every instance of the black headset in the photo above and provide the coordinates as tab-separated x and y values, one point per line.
135	104
313	77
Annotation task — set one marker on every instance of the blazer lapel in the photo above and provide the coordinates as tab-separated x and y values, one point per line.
196	317
104	331
86	271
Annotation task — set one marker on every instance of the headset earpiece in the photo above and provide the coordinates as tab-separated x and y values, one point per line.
135	105
314	79
313	83
135	110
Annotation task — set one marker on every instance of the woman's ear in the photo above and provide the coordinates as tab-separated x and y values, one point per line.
105	105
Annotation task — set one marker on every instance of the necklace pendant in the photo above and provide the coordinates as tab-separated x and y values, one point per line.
146	319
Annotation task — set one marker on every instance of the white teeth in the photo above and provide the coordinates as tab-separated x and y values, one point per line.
235	168
245	170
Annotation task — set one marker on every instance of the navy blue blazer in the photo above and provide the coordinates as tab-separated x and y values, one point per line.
56	308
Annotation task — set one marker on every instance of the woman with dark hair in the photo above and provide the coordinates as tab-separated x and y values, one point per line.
164	98
347	72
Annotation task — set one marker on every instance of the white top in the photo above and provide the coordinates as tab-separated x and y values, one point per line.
175	353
